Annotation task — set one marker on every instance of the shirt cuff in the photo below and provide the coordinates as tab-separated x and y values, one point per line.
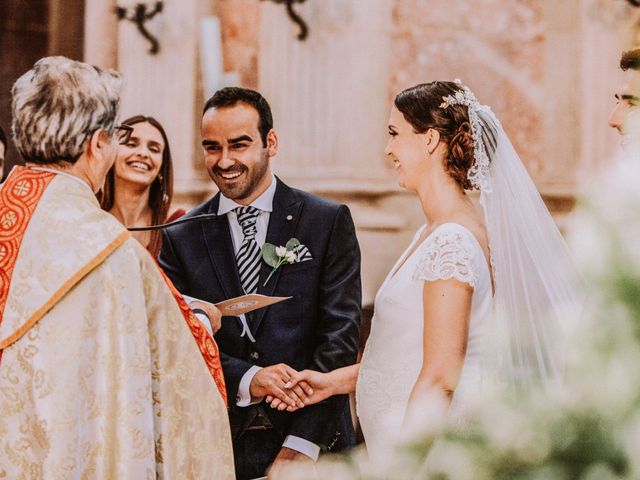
303	446
244	398
189	299
204	318
205	321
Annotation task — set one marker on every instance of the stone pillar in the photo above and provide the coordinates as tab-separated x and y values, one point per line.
241	44
101	33
167	86
329	92
66	28
329	96
562	85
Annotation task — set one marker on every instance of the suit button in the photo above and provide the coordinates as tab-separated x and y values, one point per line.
254	356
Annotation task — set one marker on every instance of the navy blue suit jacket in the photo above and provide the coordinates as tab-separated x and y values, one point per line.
317	329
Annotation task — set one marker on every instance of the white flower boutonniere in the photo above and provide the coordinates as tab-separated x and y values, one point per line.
275	257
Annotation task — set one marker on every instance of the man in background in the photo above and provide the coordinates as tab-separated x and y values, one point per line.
625	117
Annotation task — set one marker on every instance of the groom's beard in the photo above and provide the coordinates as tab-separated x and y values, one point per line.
249	181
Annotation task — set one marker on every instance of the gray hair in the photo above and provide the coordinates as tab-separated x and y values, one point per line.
58	104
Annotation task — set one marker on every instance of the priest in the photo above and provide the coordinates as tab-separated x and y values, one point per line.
105	372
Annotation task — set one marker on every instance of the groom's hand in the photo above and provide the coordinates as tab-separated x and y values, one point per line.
292	464
211	311
270	381
300	386
316	386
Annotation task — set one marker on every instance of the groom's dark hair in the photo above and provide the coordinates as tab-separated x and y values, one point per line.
630	60
231	96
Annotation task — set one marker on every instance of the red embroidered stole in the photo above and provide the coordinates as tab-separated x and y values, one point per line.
19	197
204	340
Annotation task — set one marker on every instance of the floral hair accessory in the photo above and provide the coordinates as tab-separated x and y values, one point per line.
478	174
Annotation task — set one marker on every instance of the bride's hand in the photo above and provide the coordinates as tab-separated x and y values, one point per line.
317	385
307	381
301	389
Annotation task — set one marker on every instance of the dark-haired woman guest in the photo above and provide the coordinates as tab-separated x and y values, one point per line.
138	192
139	186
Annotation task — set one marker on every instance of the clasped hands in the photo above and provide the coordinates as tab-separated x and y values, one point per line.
284	388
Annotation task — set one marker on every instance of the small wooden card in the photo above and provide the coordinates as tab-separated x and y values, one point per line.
247	303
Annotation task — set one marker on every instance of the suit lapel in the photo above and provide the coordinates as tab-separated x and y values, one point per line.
282	226
217	237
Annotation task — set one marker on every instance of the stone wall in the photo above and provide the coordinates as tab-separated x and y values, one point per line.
547	68
535	62
496	47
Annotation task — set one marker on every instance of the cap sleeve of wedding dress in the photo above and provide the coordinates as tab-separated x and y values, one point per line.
447	254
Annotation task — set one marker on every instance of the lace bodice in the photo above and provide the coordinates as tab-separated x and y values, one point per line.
393	354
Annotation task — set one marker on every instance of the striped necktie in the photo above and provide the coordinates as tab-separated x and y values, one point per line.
249	255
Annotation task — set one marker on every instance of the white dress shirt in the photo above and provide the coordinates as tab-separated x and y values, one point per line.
265	204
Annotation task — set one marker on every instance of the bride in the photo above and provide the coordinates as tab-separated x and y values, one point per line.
479	294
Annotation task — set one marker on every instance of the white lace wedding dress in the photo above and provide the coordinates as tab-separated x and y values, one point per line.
393	354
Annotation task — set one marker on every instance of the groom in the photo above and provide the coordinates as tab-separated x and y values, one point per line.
217	259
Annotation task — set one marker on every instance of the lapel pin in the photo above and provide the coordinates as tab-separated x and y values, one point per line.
289	217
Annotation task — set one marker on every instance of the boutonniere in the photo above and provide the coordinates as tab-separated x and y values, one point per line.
292	252
275	257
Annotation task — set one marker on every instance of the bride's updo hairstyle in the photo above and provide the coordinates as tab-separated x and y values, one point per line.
421	107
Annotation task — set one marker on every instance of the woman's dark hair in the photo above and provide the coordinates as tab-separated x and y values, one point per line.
3	138
161	192
420	106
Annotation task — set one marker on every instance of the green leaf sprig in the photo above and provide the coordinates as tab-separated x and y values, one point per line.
275	257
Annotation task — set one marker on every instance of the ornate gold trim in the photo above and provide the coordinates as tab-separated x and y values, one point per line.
63	290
